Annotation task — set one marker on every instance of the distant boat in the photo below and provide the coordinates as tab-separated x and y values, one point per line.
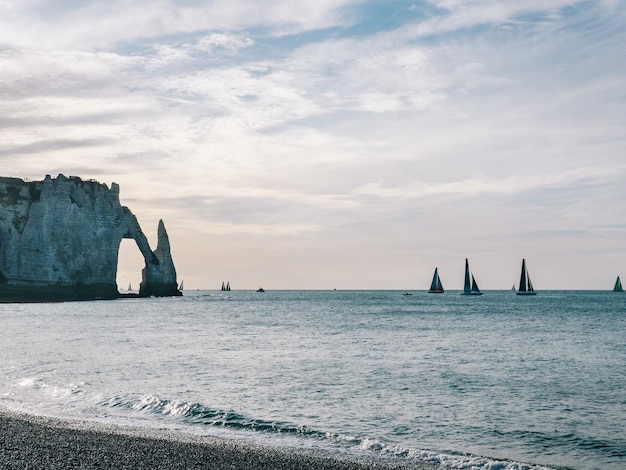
618	285
225	287
260	289
131	287
435	286
181	285
525	286
407	293
470	289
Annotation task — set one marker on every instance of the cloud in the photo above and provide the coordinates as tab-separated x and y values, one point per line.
99	25
285	120
463	15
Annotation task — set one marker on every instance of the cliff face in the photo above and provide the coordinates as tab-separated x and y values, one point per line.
60	237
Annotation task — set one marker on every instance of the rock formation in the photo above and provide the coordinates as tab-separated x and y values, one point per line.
60	238
159	275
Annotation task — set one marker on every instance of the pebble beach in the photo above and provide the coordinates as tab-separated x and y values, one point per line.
33	442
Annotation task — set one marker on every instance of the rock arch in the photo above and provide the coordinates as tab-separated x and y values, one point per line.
60	239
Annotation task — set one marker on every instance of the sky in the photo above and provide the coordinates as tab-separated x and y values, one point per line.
344	144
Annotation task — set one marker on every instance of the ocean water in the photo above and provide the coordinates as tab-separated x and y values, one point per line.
493	382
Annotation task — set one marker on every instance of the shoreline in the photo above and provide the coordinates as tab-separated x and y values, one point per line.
42	442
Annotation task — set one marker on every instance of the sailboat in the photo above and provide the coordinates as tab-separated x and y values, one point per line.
618	285
223	286
181	285
470	289
131	287
435	286
525	286
228	285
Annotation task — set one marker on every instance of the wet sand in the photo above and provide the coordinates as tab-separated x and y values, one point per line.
28	442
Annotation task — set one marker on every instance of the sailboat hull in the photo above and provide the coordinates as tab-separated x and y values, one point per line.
526	293
471	293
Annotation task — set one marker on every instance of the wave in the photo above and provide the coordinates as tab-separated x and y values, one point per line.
196	413
199	414
45	389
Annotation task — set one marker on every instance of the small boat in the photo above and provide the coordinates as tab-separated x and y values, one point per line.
436	287
260	289
228	285
407	293
223	286
470	288
618	285
525	286
131	287
181	285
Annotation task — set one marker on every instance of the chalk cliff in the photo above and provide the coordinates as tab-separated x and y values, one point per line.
60	238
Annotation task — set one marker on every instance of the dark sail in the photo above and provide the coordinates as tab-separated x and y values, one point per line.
470	287
436	287
525	285
475	289
618	285
228	285
467	287
522	279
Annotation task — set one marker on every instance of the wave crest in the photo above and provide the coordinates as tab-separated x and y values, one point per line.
197	413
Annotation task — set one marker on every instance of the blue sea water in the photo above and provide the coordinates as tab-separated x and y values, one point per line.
497	381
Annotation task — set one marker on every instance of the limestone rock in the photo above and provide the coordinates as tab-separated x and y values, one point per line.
60	238
159	275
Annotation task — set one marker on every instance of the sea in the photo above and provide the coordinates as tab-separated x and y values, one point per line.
497	381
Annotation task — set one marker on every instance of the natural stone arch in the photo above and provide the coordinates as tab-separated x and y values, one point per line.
60	238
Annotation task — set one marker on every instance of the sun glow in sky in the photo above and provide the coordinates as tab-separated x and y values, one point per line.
337	143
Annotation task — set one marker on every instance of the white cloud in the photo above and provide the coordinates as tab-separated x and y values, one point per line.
379	141
509	187
463	14
101	24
